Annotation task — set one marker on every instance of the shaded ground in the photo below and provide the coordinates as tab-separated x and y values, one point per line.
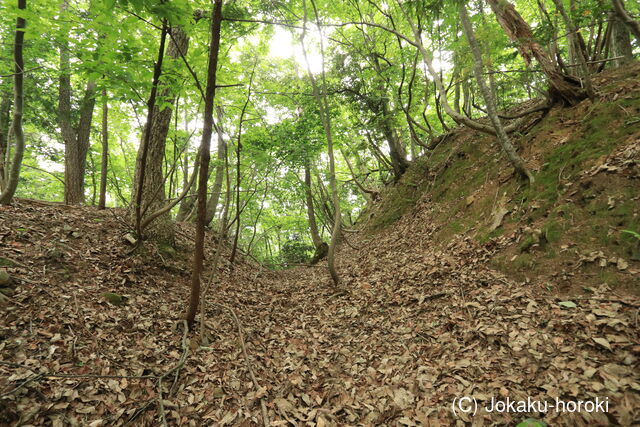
418	327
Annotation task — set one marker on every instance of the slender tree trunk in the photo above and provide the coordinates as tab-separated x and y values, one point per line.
205	156
437	81
212	203
311	215
105	151
562	87
325	116
238	151
489	98
18	106
634	26
5	118
152	197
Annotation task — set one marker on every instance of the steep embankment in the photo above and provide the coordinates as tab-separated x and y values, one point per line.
422	316
565	234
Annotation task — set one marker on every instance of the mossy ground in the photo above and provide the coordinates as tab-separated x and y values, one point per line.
576	211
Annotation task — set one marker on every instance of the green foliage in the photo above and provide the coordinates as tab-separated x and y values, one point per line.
296	251
633	233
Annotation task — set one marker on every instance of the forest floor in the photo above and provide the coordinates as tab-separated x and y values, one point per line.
413	326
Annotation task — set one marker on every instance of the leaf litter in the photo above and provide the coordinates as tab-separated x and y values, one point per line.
413	326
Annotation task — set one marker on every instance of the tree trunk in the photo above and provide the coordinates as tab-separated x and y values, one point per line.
562	87
212	203
579	48
205	156
18	81
311	215
489	98
325	116
5	118
620	42
238	151
153	196
105	151
437	81
397	151
634	26
76	140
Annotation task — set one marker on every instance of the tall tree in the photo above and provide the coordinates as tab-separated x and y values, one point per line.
5	125
75	135
18	106
325	116
105	151
205	146
152	196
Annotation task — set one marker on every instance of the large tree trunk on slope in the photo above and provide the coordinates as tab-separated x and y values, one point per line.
634	26
562	87
620	41
153	191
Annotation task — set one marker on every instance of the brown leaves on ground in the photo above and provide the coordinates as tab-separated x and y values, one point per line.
417	327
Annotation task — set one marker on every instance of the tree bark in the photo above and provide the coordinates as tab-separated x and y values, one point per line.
5	119
76	138
489	98
18	106
238	151
205	156
104	165
212	203
562	87
153	196
634	26
620	41
311	215
579	48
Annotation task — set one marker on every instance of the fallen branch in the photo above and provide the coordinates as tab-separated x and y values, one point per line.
22	384
176	369
263	406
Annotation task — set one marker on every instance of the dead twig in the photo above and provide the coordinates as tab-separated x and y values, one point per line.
22	384
263	406
175	369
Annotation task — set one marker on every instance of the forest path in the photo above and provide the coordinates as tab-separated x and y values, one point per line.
418	327
413	327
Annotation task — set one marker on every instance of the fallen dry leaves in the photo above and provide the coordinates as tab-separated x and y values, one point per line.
418	326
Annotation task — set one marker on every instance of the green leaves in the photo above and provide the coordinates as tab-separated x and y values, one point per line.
531	422
567	304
